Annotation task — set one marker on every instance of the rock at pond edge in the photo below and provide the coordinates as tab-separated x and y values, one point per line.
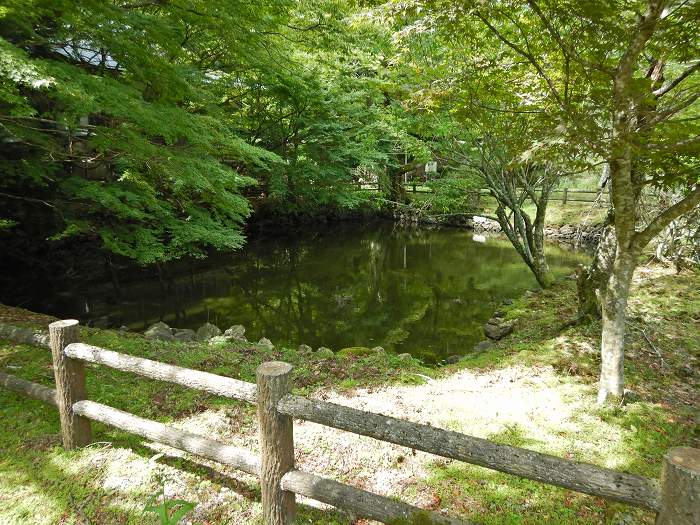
264	341
207	331
160	331
237	331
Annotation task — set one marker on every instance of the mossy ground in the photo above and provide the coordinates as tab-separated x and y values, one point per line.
41	483
111	480
660	410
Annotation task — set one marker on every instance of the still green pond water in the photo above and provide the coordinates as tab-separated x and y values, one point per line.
422	291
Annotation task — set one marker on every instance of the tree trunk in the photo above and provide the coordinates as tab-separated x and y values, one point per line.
591	281
539	259
540	269
614	309
397	191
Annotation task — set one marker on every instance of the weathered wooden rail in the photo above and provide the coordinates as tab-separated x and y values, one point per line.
676	497
562	195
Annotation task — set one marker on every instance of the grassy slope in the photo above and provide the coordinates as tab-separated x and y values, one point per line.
660	412
42	484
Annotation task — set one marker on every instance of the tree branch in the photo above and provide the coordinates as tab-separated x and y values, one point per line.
674	145
645	28
566	51
642	238
525	54
673	83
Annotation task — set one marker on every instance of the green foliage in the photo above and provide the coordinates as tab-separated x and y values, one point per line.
169	511
456	191
147	126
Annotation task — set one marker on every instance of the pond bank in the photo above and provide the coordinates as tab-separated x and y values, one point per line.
534	388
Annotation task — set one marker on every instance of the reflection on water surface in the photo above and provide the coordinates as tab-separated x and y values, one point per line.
426	292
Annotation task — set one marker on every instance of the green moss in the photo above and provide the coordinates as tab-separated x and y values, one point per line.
356	351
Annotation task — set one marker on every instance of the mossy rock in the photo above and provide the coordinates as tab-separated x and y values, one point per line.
324	353
356	350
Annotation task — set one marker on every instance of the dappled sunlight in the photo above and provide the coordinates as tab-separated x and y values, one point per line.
532	407
30	500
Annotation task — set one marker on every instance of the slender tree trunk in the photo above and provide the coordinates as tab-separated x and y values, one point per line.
614	310
592	281
537	240
544	278
397	191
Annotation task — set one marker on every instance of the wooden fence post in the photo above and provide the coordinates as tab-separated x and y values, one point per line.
680	487
566	191
70	384
276	443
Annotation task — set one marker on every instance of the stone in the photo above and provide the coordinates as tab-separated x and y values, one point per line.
378	350
355	350
483	346
237	331
567	230
40	339
264	341
160	331
305	349
452	359
207	331
184	335
497	331
123	328
499	314
220	339
404	357
324	353
25	336
507	302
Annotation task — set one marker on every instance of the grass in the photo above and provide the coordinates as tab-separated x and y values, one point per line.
659	413
42	483
560	214
110	481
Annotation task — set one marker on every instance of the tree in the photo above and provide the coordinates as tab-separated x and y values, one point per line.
109	120
597	71
145	127
483	130
514	183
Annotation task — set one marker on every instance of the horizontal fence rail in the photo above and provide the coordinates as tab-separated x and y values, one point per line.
237	458
195	379
420	187
360	502
29	389
675	498
582	477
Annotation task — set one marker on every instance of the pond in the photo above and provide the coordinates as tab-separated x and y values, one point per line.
422	291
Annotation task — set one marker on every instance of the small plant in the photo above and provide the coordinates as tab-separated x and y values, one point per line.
169	511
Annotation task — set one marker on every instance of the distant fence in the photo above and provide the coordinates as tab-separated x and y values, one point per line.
563	195
675	498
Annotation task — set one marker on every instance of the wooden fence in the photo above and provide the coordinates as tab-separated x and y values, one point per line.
563	195
676	497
